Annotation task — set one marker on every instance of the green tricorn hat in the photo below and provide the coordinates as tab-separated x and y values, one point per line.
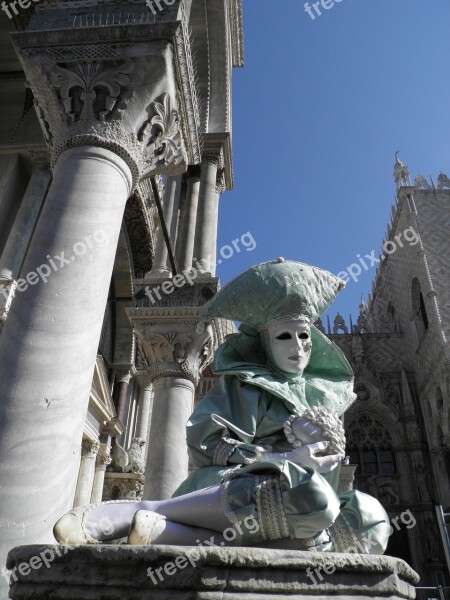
276	289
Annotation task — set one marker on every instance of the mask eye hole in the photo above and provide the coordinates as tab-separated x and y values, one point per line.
284	336
303	336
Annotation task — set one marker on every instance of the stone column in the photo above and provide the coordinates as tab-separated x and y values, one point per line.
168	461
161	268
103	460
187	226
89	451
207	216
19	238
54	326
144	411
120	394
175	350
125	128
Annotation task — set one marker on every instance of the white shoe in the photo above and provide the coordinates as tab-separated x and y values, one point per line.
70	529
146	527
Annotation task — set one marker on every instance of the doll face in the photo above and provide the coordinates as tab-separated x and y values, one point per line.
290	343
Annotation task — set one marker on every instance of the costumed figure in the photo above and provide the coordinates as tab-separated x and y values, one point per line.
267	439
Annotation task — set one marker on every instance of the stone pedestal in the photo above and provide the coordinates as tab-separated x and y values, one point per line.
192	573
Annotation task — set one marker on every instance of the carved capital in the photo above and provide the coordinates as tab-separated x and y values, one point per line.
179	348
104	457
89	449
213	153
119	96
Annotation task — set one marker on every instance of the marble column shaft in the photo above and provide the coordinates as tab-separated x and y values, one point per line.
207	214
168	462
144	412
89	451
103	460
214	227
121	395
189	220
54	326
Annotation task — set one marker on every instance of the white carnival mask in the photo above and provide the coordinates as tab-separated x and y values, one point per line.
290	343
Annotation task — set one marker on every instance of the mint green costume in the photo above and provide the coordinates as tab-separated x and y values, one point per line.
244	413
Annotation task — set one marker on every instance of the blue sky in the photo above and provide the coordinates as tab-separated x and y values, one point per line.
319	111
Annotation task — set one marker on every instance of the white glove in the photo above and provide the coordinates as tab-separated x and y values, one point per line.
305	455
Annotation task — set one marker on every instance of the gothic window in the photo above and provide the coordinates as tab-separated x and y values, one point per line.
370	446
418	309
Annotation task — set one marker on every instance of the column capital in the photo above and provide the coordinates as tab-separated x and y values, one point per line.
173	346
89	448
103	457
213	153
123	375
124	97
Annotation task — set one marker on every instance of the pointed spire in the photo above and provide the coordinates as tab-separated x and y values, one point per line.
401	173
406	394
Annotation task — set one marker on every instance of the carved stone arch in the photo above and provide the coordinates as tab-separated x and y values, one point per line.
371	391
378	414
122	287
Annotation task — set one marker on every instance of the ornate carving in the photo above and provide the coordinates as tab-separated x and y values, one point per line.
180	352
162	138
89	449
357	348
443	181
45	126
107	99
422	479
136	456
123	486
362	391
383	488
319	325
103	458
339	325
421	183
89	90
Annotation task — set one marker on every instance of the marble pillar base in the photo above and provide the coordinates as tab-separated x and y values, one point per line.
131	573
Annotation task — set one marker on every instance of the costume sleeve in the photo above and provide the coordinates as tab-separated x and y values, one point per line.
222	428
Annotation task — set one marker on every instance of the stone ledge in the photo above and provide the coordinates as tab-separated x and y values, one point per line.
120	573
